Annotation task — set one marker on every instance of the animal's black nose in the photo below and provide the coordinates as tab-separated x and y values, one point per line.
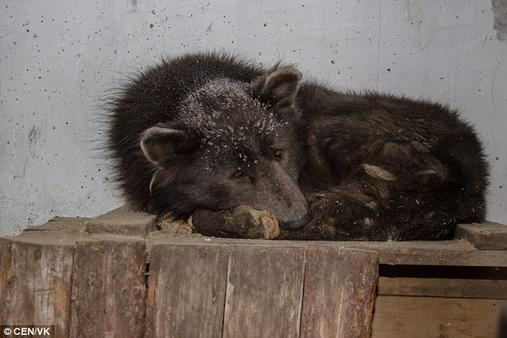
296	224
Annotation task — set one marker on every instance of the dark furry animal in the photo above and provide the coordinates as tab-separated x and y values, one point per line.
209	131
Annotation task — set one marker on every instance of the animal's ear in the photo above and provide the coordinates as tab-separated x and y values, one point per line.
160	145
279	85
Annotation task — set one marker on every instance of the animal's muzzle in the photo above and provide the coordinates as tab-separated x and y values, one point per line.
296	224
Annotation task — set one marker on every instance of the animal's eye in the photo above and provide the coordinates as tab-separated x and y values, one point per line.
278	154
238	174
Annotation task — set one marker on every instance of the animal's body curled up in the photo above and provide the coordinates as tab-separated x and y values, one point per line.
209	131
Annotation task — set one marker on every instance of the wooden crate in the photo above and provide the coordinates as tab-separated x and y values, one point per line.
110	277
121	275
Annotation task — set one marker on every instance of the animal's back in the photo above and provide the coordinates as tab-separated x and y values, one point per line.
430	162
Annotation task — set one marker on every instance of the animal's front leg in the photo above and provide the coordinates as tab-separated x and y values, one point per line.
240	222
353	210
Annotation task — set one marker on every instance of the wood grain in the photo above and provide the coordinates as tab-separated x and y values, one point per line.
5	278
264	292
427	317
441	253
484	236
214	287
108	291
64	224
122	221
339	292
38	285
186	291
443	287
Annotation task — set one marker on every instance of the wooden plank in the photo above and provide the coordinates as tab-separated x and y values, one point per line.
44	238
108	291
122	221
5	278
443	287
453	253
426	317
71	224
186	291
484	236
339	291
38	285
264	292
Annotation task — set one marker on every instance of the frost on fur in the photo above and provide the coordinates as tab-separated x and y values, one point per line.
213	132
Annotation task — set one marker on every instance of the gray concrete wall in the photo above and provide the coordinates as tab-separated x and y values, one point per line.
57	58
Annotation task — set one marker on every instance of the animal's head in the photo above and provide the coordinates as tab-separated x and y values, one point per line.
232	143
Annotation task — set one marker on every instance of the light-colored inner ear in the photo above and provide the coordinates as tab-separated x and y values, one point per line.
156	143
282	82
284	89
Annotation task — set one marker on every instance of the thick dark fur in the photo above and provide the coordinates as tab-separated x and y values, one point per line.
370	166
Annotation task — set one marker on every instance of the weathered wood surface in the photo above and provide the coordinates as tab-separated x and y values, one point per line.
122	221
451	253
108	291
264	292
258	291
186	291
35	284
200	286
484	236
427	317
459	252
63	224
5	277
339	293
443	287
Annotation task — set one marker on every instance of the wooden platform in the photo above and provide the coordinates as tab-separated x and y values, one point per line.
123	274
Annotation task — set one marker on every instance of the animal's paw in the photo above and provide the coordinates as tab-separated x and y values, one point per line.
346	216
241	222
256	223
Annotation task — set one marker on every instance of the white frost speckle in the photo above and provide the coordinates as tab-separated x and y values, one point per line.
229	120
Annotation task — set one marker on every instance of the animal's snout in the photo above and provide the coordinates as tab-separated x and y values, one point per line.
296	224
